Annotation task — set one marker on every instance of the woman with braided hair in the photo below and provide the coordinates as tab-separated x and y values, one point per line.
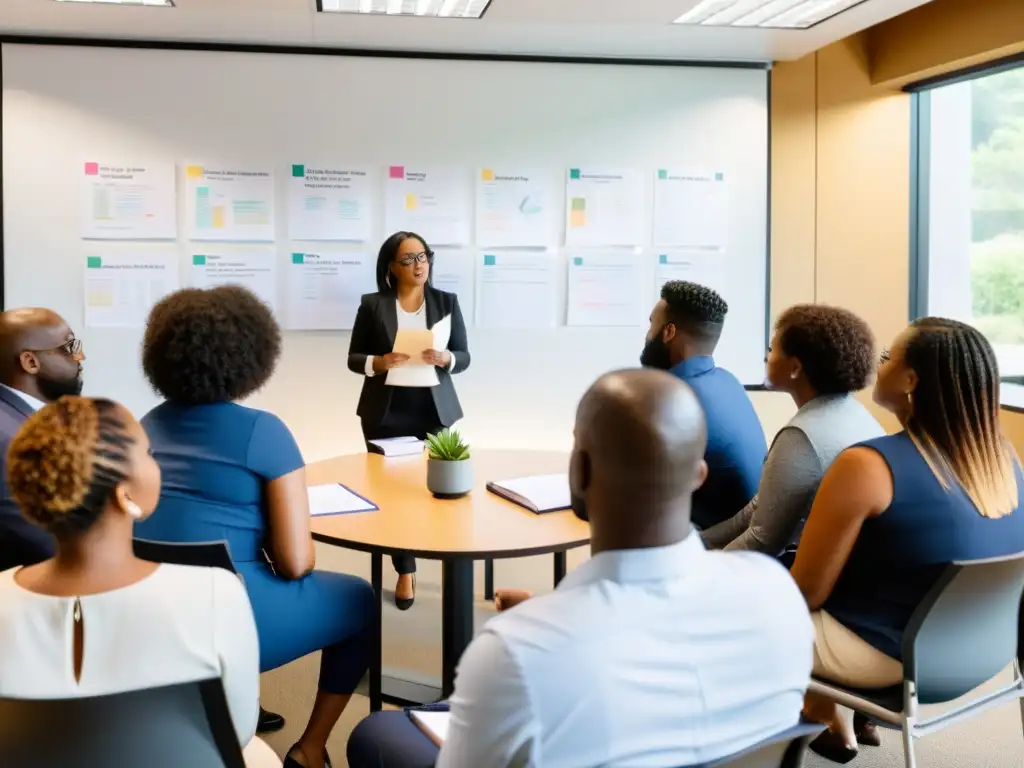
893	512
81	469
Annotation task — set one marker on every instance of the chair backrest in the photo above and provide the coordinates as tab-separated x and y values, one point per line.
170	727
966	630
784	750
211	554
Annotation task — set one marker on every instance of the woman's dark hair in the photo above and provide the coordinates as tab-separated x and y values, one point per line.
835	347
65	462
955	412
210	345
386	255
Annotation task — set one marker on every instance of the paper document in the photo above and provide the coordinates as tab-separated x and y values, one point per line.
605	290
517	290
433	724
442	332
539	493
413	372
336	499
398	446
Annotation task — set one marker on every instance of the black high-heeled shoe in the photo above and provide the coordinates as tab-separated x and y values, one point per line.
269	722
291	762
866	731
405	603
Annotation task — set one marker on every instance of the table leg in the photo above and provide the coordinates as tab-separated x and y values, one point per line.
488	579
376	642
456	616
559	567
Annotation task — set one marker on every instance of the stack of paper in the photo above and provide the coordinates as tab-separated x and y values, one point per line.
414	342
397	446
336	499
540	493
433	724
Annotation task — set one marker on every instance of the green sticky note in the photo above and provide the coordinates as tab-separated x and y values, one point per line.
574	173
577	260
719	177
663	259
662	173
489	260
579	204
93	262
299	171
297	258
198	261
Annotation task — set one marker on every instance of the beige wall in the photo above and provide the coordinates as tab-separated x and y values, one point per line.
840	176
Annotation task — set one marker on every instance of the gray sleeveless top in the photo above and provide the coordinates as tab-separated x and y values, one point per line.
797	460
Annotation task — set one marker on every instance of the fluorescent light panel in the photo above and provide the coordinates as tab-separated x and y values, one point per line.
159	3
459	9
777	14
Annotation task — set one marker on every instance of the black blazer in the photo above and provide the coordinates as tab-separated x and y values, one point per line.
374	334
21	542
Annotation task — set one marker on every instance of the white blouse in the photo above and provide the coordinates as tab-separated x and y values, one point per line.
177	625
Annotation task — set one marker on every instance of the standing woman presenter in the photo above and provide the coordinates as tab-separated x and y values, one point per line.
405	300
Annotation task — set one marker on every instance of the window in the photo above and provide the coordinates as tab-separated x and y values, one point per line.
968	250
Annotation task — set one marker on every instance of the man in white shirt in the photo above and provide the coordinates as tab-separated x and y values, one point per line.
40	362
655	652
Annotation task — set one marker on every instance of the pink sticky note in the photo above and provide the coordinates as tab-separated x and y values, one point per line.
92	169
397	172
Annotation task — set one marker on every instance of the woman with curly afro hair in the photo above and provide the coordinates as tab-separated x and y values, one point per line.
80	469
820	356
236	474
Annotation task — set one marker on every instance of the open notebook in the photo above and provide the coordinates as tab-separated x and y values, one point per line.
433	724
539	493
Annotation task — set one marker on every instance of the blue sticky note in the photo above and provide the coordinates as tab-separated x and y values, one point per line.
489	260
663	259
577	260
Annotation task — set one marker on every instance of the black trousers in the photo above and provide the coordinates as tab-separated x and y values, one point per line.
411	413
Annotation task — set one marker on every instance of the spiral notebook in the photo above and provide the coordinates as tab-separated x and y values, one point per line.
539	493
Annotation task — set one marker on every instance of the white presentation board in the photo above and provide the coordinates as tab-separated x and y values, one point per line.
565	141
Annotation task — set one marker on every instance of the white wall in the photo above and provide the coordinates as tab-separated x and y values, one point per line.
63	104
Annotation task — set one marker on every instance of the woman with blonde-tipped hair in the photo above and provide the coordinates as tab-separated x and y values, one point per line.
892	513
81	469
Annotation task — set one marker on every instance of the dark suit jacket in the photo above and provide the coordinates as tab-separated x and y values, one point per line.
374	334
21	542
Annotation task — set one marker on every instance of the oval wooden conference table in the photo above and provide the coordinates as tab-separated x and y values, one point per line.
480	526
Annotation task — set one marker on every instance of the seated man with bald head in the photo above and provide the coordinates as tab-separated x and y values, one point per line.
654	652
40	362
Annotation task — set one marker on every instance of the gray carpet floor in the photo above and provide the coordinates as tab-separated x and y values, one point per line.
412	640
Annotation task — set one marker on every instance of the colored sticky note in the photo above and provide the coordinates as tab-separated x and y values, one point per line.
578	204
574	173
489	260
663	259
719	177
662	174
487	174
198	261
93	262
411	202
92	169
577	261
297	258
218	216
578	219
396	172
194	171
298	171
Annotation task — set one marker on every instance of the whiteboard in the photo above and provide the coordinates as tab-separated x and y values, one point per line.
269	110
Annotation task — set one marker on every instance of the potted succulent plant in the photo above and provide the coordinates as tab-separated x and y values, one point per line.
449	469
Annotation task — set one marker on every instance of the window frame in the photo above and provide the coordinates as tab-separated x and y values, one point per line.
920	178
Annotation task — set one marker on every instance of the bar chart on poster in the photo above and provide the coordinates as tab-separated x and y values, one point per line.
555	200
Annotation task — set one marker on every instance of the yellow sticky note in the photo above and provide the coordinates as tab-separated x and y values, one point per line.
487	174
218	216
411	202
578	219
194	171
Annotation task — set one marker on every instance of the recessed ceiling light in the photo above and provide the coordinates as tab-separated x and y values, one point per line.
780	14
458	9
158	3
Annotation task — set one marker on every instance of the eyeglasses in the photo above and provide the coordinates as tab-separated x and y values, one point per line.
420	258
71	348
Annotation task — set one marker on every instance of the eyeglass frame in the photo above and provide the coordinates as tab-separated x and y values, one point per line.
423	257
72	348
